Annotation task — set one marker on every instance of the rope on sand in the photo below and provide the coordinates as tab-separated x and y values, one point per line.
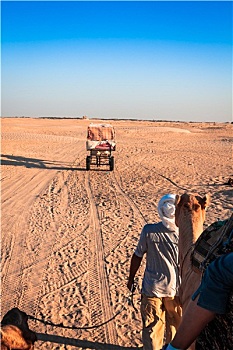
129	299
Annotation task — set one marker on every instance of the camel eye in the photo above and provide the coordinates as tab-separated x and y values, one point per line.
196	207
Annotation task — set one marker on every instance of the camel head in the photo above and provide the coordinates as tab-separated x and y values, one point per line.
191	210
15	332
15	317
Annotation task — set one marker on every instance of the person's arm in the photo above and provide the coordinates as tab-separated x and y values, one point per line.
213	295
134	266
193	322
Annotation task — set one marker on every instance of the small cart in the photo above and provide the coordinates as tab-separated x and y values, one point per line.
100	143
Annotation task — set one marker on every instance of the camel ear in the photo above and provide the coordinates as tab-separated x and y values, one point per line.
177	200
206	201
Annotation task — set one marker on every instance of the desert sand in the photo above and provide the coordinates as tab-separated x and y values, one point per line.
68	234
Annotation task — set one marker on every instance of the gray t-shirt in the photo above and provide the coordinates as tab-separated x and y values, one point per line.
161	277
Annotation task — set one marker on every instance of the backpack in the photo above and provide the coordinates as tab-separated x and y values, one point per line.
215	240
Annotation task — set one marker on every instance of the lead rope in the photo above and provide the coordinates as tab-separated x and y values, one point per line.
61	325
130	300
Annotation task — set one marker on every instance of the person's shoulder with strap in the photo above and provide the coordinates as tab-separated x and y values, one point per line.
216	285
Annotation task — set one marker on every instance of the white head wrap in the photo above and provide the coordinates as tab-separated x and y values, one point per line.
166	210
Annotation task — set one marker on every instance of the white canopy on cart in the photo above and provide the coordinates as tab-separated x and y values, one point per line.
100	137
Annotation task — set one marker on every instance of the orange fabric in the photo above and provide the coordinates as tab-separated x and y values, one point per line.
100	133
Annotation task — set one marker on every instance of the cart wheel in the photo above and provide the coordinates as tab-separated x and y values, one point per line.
88	163
111	163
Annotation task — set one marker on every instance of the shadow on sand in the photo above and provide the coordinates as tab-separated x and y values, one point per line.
36	163
42	163
81	343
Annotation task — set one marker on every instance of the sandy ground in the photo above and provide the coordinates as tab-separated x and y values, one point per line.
68	234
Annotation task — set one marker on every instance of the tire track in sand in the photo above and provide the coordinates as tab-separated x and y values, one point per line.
38	246
13	275
99	298
45	233
27	250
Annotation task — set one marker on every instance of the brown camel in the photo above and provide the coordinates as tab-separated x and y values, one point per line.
15	333
189	217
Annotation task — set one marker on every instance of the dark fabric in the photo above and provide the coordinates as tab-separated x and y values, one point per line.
215	240
218	335
216	285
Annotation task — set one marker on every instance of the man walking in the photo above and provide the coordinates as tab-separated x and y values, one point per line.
160	308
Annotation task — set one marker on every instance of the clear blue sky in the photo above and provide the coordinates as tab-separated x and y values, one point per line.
117	59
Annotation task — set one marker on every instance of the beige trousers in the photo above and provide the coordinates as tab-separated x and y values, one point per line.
161	318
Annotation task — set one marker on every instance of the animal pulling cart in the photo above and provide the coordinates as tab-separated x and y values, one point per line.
100	143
